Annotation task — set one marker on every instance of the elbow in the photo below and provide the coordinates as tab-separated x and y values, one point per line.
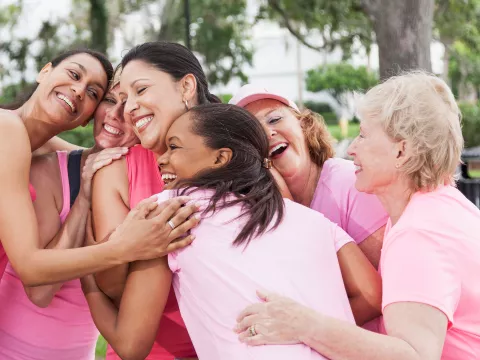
133	349
40	298
28	275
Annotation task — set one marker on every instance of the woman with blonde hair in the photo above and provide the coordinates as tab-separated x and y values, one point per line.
302	155
407	152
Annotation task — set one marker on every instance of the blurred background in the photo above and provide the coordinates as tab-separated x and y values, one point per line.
316	52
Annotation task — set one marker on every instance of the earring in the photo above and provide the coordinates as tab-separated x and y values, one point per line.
186	104
397	166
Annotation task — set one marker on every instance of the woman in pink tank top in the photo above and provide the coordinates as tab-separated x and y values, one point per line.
62	328
177	82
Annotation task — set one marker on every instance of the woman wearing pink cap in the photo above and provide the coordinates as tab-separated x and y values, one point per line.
302	153
407	152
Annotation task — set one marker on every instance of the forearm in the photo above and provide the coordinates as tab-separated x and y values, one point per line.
49	266
112	281
364	310
333	338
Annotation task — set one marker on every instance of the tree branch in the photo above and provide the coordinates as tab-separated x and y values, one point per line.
370	7
276	6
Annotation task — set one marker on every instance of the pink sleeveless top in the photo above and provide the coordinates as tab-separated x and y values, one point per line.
63	330
3	255
172	339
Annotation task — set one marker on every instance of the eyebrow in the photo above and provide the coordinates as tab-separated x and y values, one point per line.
173	138
84	70
135	81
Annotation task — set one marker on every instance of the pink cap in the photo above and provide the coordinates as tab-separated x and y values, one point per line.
250	93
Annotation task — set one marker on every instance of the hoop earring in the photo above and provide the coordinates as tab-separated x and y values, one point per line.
186	104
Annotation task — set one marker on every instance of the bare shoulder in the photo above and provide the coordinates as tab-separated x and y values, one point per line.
12	128
15	148
112	178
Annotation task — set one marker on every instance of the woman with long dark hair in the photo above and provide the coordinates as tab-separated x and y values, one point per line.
69	89
249	238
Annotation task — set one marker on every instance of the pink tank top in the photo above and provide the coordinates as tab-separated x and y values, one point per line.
63	330
3	255
172	339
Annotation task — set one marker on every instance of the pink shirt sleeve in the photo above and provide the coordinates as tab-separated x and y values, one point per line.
341	238
416	267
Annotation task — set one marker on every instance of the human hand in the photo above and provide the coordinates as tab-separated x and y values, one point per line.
146	232
277	320
94	163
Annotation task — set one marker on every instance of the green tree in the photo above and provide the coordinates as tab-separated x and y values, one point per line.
345	23
340	80
99	25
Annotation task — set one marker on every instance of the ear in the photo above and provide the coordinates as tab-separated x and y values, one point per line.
45	70
402	151
188	88
222	157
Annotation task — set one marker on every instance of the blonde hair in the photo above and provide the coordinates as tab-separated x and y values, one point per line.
115	78
419	108
317	136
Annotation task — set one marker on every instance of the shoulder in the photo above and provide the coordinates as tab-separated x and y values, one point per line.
338	175
12	130
114	173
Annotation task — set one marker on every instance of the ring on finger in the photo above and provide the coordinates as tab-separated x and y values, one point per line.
252	331
172	225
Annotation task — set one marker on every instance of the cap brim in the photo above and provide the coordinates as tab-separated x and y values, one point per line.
255	97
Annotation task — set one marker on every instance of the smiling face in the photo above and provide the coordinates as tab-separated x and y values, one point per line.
187	155
375	156
288	148
153	102
110	128
69	93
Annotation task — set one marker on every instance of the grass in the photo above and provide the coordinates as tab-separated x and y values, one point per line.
353	129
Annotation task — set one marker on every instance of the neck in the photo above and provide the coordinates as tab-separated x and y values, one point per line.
38	130
395	198
302	186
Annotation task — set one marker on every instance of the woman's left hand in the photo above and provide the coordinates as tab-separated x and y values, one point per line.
278	320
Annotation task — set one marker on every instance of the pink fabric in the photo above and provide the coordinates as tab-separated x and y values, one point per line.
3	255
172	339
432	256
336	197
63	330
214	280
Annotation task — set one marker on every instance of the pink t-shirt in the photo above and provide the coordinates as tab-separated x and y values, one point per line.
432	256
336	197
214	280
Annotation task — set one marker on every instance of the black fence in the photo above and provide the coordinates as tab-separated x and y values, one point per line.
469	186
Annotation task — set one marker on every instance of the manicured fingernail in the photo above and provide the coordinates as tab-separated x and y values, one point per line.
193	237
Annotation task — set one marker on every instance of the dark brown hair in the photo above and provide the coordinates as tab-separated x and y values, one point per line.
229	126
27	94
176	60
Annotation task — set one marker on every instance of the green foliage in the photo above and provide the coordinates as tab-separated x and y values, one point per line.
101	348
330	118
340	79
336	132
471	124
225	97
82	136
318	107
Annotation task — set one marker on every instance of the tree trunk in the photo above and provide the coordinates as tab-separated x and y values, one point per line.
403	30
99	25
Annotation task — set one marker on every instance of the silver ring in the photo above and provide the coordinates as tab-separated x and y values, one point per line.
252	330
172	225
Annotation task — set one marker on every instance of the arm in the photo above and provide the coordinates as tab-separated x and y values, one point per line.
71	234
372	246
131	329
362	283
109	209
136	239
54	144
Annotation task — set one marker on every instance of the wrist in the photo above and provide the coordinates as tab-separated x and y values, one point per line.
83	201
306	324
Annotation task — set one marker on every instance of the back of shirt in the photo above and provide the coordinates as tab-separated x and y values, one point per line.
215	280
432	256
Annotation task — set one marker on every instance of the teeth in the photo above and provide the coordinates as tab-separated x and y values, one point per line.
168	177
279	146
141	123
358	167
111	129
67	100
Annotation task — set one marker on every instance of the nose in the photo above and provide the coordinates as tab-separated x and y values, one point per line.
130	106
162	160
269	131
116	112
79	90
351	148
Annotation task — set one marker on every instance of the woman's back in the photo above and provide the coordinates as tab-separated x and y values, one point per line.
215	280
